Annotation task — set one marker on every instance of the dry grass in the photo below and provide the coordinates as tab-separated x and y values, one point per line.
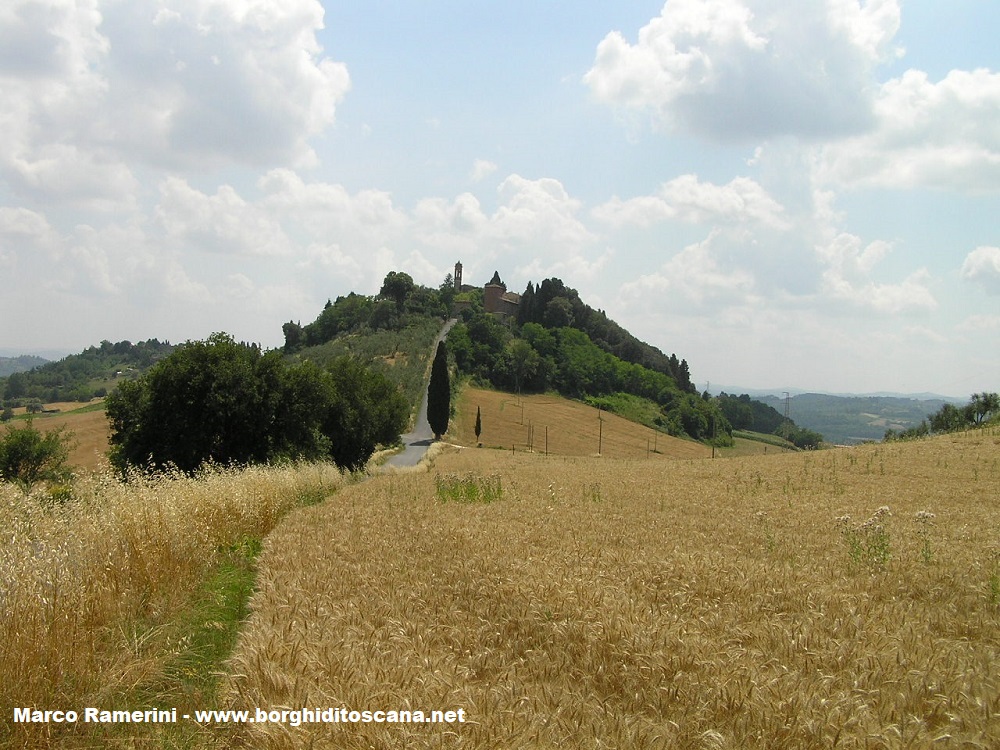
574	429
89	589
641	604
90	430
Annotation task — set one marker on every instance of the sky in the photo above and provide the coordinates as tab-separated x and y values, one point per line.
786	195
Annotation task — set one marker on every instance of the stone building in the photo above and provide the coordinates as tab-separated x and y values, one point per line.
497	301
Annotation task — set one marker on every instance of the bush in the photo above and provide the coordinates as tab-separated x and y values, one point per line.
28	456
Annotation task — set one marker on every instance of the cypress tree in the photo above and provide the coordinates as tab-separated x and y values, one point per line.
439	393
479	424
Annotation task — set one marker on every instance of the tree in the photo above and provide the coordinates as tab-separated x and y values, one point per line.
28	456
396	286
479	424
558	313
983	405
524	362
363	410
439	393
947	419
230	403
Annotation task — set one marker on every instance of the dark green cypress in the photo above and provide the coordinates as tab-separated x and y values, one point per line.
479	424
439	393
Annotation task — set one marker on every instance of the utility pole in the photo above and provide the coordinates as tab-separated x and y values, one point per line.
600	431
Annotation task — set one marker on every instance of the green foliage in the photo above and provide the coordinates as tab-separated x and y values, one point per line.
566	360
911	433
537	307
79	377
362	410
400	355
468	488
396	286
439	393
479	423
227	403
745	413
951	418
358	314
868	544
800	437
28	456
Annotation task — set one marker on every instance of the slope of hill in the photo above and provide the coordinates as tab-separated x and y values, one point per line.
22	363
546	423
81	377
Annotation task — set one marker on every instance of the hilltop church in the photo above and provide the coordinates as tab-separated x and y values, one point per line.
497	301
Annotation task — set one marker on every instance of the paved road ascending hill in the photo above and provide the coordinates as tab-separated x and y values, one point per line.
417	442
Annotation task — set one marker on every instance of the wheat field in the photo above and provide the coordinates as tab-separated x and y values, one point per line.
91	588
553	425
847	598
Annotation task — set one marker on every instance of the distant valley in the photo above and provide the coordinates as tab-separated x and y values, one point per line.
847	420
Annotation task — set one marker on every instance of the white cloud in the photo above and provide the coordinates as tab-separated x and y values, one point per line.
982	266
539	214
481	169
686	198
943	135
980	323
694	277
326	215
90	85
220	223
222	80
730	69
847	274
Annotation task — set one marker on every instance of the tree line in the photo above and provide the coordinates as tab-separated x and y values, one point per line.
981	408
398	304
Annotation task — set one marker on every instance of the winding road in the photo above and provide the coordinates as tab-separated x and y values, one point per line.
416	443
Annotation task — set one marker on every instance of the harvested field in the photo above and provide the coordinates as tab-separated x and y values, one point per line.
90	432
572	428
760	602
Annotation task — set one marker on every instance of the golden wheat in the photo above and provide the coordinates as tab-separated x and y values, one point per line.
87	587
641	604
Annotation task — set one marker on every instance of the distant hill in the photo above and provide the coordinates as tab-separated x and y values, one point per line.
846	420
22	363
81	377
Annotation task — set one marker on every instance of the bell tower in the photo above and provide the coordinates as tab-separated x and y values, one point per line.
458	276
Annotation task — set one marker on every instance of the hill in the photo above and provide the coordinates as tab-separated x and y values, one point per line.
549	340
22	363
80	377
546	423
846	420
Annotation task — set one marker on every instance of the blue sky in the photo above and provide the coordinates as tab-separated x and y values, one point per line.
787	195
